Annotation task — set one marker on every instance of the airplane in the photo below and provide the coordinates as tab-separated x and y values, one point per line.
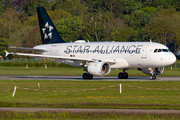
98	58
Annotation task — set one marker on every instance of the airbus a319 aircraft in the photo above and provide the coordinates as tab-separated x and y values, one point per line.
98	58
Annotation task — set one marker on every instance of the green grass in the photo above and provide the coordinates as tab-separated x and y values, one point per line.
82	94
73	71
72	94
86	115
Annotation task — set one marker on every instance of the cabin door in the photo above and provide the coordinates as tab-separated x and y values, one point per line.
144	52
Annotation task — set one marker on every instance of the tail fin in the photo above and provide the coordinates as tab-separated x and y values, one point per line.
49	33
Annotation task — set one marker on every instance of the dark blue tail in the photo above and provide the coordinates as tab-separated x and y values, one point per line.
49	33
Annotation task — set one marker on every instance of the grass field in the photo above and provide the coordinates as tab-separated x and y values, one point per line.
74	71
87	94
90	94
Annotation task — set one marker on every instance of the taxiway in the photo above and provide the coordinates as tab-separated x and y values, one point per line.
105	78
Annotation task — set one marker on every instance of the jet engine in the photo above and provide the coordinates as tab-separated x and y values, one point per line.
98	68
149	71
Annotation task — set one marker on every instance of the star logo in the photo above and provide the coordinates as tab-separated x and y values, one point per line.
47	31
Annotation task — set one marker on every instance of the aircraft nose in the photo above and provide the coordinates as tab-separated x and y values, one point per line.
171	59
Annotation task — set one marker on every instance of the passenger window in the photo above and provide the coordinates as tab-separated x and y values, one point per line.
155	50
164	50
159	50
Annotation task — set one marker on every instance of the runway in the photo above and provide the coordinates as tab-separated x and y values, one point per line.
105	78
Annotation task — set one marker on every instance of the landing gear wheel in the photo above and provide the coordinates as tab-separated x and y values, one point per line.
152	77
87	76
123	76
120	75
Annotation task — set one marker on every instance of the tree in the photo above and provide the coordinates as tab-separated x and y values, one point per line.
91	6
138	20
54	15
10	23
33	38
125	7
126	34
106	5
112	26
29	6
161	28
176	26
74	7
3	46
67	27
93	29
1	8
16	39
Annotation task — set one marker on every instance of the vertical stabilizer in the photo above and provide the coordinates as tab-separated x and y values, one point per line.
49	33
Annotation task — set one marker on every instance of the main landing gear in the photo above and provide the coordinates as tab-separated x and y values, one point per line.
87	76
123	75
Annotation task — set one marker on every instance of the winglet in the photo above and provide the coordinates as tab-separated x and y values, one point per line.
7	53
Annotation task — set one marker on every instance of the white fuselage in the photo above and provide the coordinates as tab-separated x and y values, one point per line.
125	54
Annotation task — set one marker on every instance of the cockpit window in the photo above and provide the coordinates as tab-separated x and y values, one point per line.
159	50
165	50
155	50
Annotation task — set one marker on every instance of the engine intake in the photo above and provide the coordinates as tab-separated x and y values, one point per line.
99	68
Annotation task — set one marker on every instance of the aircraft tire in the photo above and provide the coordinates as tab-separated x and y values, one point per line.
152	77
87	76
90	76
120	75
125	75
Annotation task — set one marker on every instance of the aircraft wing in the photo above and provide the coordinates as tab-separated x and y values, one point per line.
59	57
30	49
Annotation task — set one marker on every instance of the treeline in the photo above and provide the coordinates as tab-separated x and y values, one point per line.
93	20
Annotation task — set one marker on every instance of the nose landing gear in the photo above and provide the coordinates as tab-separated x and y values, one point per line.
152	77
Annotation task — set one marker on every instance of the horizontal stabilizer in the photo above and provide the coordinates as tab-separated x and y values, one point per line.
7	53
29	49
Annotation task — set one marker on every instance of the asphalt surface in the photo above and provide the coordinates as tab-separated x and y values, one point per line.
105	78
78	110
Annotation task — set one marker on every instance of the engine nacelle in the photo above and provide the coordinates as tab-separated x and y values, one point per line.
149	71
98	68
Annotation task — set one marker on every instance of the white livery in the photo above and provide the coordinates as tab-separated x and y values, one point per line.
98	58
